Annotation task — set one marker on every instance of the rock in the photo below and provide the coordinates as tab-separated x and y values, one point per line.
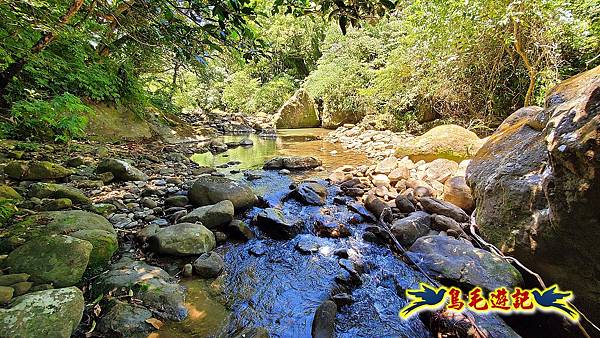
149	202
6	192
58	204
176	201
299	111
126	320
537	187
51	190
74	162
246	142
188	270
399	174
440	170
240	230
451	142
106	177
457	260
307	246
56	259
293	163
323	325
435	206
381	180
209	190
217	146
183	239
8	280
209	265
311	193
21	288
121	170
273	223
35	170
150	284
332	117
386	166
408	229
6	294
49	313
211	216
443	223
76	223
457	192
404	204
375	205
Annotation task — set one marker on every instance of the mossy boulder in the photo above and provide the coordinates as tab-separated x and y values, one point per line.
449	141
6	192
80	224
126	320
457	260
299	111
49	313
211	216
208	190
57	259
52	190
183	239
36	170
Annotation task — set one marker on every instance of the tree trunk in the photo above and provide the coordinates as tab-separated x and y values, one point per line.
531	70
15	68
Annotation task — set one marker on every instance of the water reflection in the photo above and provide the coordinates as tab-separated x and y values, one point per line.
289	142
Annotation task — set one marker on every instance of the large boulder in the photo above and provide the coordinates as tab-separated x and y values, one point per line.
458	260
333	117
48	313
51	190
57	259
299	111
537	187
293	163
84	225
121	170
412	227
208	190
183	239
311	193
36	170
152	285
273	222
449	141
457	192
211	216
126	320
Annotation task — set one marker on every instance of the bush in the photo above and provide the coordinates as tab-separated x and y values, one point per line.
269	97
60	119
239	89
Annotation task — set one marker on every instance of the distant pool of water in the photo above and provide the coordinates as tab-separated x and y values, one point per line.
289	142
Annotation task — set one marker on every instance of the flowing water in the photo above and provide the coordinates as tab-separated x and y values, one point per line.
272	286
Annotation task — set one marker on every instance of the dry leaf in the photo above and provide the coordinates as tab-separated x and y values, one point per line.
154	322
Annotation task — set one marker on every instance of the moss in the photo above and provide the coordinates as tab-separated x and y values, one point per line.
104	243
6	192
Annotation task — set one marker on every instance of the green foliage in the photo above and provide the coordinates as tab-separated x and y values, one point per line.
239	89
7	210
62	118
272	95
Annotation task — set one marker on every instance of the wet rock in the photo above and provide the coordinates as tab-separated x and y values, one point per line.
183	239
451	142
6	192
299	111
435	206
150	284
209	265
51	190
8	280
240	230
449	258
50	313
457	192
307	246
323	325
246	142
293	163
211	216
443	223
273	223
56	259
126	320
220	237
121	170
58	204
311	193
404	204
217	146
35	170
106	177
375	205
74	162
176	201
149	202
209	190
342	299
408	229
